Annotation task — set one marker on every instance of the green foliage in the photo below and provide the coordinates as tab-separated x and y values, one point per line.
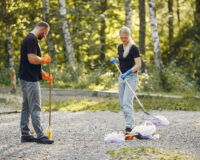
181	71
80	78
141	153
174	79
4	76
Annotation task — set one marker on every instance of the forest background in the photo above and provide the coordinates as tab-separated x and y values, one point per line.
84	37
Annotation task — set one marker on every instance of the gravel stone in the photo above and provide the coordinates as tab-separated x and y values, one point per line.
80	135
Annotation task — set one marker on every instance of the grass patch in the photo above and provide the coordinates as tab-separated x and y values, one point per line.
154	103
13	100
82	105
150	103
141	153
161	103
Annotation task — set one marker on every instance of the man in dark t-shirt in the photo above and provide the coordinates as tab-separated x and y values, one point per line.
30	73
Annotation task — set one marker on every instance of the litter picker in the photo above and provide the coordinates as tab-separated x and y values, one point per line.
157	120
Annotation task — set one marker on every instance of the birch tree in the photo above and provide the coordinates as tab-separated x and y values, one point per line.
154	35
128	10
9	47
170	24
49	39
66	33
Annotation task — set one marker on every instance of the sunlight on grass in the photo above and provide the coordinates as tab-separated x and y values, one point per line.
83	105
141	153
150	103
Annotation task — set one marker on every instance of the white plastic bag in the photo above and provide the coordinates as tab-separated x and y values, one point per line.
114	137
147	130
160	121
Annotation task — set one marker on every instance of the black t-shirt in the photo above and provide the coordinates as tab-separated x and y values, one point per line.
127	62
29	72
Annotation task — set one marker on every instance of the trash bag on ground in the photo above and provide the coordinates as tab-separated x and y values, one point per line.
160	121
146	130
114	137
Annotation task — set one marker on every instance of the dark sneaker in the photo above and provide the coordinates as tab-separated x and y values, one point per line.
28	138
128	130
45	140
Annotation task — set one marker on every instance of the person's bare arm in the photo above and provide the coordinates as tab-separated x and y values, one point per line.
34	59
137	65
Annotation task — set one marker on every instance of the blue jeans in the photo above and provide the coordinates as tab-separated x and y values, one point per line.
31	106
126	97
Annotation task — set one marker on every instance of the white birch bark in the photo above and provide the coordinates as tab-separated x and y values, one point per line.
154	34
128	10
65	28
49	39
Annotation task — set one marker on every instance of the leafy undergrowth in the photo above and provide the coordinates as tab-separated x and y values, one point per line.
153	103
146	153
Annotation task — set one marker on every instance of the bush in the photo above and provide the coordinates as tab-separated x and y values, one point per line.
80	78
173	79
4	76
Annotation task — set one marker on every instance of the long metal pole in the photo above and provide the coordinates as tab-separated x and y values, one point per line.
134	93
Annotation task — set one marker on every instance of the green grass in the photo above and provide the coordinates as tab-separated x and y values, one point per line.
160	103
12	100
154	103
74	105
82	105
142	153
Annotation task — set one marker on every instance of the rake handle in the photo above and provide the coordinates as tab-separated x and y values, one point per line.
49	96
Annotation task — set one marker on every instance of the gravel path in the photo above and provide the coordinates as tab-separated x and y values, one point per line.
80	135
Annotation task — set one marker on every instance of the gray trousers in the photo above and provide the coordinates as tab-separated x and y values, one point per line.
31	106
126	97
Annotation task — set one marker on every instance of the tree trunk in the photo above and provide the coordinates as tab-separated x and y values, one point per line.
49	39
128	9
9	48
155	37
66	33
197	18
102	32
178	12
170	23
142	32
